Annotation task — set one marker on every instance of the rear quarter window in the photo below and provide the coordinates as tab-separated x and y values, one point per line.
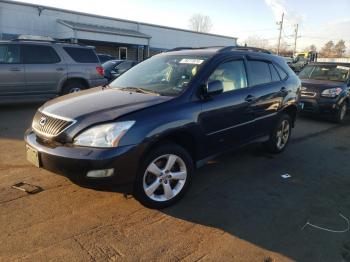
82	55
281	72
39	54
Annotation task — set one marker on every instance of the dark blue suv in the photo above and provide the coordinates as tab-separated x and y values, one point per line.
166	116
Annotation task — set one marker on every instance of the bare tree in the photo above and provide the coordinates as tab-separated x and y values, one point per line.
328	49
256	41
340	48
200	23
311	48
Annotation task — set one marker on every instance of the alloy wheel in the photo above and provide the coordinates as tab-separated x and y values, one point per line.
74	90
164	177
283	134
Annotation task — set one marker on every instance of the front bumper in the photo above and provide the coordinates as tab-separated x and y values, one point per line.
323	106
74	162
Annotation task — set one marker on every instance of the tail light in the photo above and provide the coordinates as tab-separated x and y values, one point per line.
100	70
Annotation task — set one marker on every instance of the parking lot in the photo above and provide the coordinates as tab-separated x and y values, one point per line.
239	208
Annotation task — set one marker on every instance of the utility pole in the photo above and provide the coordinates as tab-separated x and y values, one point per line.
295	39
280	35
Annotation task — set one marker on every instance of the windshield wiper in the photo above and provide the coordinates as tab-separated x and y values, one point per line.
139	90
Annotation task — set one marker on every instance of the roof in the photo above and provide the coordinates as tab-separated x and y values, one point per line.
111	18
102	29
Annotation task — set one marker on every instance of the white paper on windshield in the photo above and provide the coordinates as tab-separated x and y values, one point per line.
343	67
191	61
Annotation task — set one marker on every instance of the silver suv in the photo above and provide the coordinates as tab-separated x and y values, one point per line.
40	70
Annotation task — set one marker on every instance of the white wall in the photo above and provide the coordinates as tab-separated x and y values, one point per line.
21	18
338	60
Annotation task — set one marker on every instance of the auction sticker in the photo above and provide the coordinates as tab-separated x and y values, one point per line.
191	61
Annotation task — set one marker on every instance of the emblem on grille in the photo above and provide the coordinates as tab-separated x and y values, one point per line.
42	121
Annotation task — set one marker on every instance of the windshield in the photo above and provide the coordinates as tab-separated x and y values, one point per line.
326	72
166	75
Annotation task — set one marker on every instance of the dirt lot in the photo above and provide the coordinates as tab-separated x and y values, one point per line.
238	209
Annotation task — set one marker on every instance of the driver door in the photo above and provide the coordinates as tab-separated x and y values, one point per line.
226	118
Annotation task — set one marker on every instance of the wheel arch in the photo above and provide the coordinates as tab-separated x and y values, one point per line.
291	110
70	80
182	138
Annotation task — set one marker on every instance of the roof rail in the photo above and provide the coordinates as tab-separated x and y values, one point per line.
244	48
193	48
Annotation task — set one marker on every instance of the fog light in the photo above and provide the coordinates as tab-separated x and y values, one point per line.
100	173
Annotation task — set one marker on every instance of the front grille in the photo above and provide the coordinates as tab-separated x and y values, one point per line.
308	94
49	126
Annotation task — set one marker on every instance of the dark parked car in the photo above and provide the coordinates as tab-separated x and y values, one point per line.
115	68
40	70
104	58
155	124
325	89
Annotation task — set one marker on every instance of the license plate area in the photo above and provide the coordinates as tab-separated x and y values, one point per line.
33	156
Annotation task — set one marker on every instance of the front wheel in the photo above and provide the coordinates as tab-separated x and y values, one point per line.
341	113
280	135
164	176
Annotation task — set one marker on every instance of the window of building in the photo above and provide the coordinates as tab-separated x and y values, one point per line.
123	53
232	75
9	54
39	54
82	55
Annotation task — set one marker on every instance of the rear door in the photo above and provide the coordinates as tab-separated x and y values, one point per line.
44	69
267	92
225	118
12	79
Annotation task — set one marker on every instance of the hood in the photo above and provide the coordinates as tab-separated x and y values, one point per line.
321	83
318	86
98	105
110	102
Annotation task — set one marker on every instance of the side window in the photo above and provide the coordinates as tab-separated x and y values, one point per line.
260	72
275	76
124	66
281	72
82	55
9	54
39	54
232	74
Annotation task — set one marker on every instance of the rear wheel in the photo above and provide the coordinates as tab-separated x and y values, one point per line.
280	136
341	113
164	176
73	87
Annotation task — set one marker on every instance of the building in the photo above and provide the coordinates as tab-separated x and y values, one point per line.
121	38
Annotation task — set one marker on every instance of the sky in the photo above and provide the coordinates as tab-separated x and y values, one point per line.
319	20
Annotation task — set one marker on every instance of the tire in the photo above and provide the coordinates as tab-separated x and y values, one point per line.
280	135
162	188
341	113
72	87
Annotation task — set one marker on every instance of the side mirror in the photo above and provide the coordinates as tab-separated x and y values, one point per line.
214	87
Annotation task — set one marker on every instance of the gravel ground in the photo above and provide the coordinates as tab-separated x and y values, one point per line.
238	208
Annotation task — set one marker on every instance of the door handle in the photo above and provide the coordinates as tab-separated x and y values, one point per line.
250	98
15	69
60	69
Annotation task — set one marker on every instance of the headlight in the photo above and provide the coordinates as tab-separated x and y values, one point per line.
332	92
106	135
